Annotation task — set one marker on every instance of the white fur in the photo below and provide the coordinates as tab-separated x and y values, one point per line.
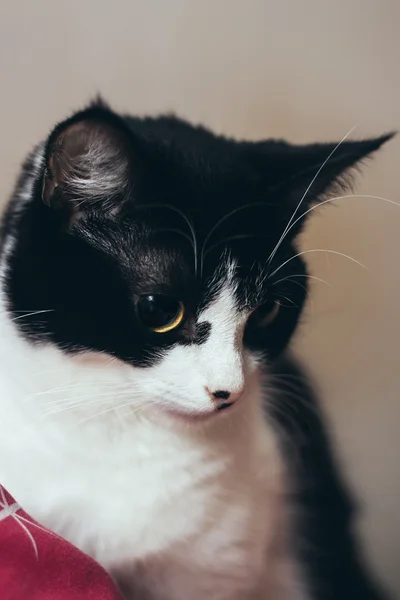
197	506
99	173
188	506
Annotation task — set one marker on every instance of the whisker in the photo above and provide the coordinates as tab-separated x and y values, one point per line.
59	405
289	300
285	376
114	408
232	238
296	396
30	314
318	250
274	409
292	382
306	192
110	360
63	388
218	223
307	276
349	196
177	231
305	289
79	402
114	393
17	311
185	218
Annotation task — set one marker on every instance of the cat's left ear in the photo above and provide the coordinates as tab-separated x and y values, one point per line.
88	162
302	175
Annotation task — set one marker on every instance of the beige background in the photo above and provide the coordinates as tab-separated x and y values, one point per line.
307	70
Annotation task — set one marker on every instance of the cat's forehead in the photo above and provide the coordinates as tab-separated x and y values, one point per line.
176	269
210	241
175	262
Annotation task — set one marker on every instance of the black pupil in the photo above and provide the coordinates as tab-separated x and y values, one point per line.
157	311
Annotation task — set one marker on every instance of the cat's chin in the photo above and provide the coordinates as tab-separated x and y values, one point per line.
198	418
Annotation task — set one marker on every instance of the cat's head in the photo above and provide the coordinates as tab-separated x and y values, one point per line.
169	248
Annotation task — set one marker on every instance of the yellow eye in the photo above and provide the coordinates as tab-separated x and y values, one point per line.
160	313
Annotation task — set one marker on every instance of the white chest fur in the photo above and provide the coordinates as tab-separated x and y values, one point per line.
185	510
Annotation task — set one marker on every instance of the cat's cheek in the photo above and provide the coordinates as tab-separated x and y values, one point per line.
173	386
177	387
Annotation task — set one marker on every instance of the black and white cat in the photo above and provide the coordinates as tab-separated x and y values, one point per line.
150	284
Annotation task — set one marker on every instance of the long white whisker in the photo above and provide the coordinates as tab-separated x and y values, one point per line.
306	192
65	404
318	250
340	198
108	394
61	399
291	301
305	289
307	276
79	402
115	408
111	359
66	388
36	312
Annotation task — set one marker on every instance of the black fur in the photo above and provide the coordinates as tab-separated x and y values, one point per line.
323	512
86	257
83	259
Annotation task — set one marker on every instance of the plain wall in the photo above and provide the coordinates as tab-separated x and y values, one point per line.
307	71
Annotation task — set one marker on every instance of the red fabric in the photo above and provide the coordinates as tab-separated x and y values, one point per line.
36	564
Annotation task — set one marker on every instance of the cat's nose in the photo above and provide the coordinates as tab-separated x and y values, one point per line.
224	399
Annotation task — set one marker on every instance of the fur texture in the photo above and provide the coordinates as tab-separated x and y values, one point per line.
161	454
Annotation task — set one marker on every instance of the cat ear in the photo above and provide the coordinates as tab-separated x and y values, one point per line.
308	173
88	162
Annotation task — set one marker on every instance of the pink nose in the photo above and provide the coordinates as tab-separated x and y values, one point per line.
224	399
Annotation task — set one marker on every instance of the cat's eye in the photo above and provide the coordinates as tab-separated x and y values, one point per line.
271	312
160	313
265	314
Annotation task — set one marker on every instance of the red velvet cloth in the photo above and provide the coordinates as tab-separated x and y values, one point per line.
36	564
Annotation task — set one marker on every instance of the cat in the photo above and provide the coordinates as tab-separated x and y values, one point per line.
151	414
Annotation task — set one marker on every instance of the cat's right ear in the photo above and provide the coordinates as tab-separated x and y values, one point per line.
88	163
